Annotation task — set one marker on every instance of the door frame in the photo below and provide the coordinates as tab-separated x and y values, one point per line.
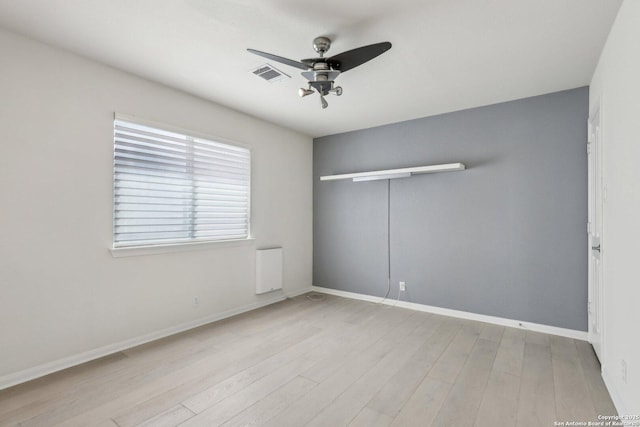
597	308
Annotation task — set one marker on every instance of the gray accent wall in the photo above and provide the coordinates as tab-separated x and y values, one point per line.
506	237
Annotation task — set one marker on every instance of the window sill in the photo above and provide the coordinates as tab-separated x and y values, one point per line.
177	247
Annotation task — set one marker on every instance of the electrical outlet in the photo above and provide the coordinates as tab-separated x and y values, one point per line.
623	365
403	287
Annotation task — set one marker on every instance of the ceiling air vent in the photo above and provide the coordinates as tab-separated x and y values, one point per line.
270	73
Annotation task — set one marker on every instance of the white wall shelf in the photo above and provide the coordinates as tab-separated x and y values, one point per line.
395	173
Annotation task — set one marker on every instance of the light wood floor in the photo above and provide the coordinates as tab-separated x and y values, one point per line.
328	362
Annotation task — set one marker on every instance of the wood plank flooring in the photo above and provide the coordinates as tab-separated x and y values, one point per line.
326	361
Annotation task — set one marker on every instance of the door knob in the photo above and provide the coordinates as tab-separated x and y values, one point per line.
595	248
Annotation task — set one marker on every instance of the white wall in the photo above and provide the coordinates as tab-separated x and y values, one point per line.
63	297
616	86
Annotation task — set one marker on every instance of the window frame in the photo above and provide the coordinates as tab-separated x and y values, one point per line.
179	246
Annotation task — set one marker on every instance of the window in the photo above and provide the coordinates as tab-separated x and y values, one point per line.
175	188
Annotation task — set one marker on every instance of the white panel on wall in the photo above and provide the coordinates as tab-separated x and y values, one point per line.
268	270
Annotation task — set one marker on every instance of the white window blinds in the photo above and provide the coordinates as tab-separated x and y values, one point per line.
175	188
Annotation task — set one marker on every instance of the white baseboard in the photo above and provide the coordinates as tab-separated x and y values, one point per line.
298	292
77	359
613	392
552	330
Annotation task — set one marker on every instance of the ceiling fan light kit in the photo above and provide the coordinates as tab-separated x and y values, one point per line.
322	72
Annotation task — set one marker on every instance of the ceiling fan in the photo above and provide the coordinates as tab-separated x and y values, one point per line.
322	72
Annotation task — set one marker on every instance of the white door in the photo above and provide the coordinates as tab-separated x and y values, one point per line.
596	293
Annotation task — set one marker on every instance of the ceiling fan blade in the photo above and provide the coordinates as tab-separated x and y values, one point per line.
352	58
280	59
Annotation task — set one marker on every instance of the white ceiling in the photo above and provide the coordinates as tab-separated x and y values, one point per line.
447	55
